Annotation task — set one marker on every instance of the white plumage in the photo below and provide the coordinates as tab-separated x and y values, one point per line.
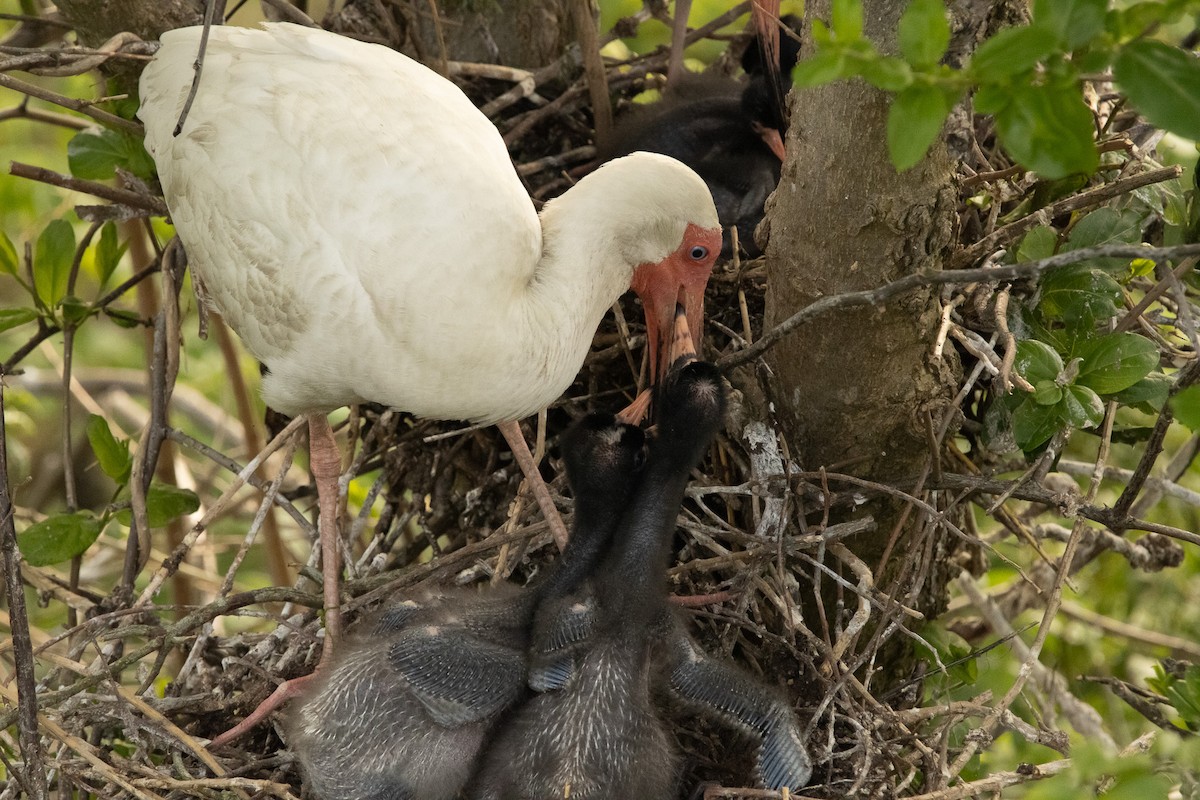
360	225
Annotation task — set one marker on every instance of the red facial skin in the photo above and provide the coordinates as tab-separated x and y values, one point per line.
678	278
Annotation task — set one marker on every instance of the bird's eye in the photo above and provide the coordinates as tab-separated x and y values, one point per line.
698	253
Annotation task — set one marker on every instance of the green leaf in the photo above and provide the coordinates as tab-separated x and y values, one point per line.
112	455
163	504
108	252
1047	393
952	650
95	154
1161	81
1105	226
1039	243
1081	407
1115	362
123	318
8	255
1184	694
820	34
824	67
1048	128
1037	361
58	538
1138	18
1034	424
12	317
1186	407
889	74
1140	268
1079	295
914	121
74	310
924	32
139	161
1149	394
847	20
1073	22
1011	52
52	261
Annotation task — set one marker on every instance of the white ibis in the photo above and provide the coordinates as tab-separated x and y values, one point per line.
415	695
359	224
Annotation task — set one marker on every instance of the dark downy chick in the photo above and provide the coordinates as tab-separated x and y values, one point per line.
728	694
728	131
594	732
406	709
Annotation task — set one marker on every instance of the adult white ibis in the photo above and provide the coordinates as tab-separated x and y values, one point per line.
414	695
360	225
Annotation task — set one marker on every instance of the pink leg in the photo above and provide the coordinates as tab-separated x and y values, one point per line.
326	464
520	449
283	692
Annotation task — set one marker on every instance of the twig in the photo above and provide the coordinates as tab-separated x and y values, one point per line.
34	778
1092	197
1186	377
918	280
1156	291
82	106
169	566
23	111
1030	662
583	14
1179	647
997	781
77	61
94	188
209	9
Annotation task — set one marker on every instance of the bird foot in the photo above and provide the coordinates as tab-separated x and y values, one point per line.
284	692
635	412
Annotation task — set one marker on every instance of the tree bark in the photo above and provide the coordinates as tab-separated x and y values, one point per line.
97	22
526	33
856	388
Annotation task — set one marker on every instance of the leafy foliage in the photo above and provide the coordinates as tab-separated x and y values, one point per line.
96	154
1027	77
1180	688
59	538
62	537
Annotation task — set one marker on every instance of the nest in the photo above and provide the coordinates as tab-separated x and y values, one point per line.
783	595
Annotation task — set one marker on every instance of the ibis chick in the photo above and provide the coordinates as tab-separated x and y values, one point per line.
593	732
404	712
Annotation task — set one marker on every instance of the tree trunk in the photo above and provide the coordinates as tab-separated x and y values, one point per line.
96	21
857	388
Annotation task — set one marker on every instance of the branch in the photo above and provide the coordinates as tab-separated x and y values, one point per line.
1027	269
34	779
94	188
998	238
992	784
82	106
